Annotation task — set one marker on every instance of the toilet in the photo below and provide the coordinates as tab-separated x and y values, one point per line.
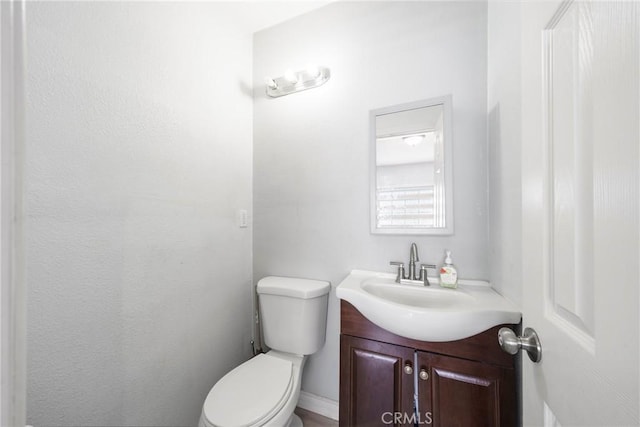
264	390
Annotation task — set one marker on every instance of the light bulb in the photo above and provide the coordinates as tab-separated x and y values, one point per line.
313	70
290	76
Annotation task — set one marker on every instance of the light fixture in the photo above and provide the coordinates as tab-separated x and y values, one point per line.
292	82
413	140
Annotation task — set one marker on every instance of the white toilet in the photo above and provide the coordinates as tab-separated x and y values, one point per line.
264	390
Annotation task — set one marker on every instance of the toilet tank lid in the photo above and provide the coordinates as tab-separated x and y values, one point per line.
293	287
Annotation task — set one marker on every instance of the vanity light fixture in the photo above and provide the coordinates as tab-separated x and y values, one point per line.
296	81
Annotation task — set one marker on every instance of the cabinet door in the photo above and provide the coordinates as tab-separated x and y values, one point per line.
375	386
456	392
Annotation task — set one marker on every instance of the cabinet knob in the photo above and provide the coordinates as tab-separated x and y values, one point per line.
408	369
424	375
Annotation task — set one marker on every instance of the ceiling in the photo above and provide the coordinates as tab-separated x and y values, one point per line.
257	15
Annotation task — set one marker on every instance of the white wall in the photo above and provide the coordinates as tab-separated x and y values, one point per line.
311	149
504	134
138	156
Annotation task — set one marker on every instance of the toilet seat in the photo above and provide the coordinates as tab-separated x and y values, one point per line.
250	394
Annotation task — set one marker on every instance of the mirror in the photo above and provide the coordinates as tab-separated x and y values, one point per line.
411	171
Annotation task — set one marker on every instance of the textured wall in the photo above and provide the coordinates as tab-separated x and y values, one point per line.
311	149
138	156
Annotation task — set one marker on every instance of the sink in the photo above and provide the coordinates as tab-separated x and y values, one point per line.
427	313
416	295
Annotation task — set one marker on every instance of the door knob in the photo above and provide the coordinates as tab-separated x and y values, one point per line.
529	341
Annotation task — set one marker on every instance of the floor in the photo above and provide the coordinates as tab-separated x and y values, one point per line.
311	419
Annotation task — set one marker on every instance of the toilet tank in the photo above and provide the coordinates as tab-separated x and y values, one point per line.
293	313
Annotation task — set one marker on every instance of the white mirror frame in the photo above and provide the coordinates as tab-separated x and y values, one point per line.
445	101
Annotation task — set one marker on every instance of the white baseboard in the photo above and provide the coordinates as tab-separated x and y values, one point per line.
318	404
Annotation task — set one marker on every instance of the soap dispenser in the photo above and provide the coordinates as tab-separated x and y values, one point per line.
448	273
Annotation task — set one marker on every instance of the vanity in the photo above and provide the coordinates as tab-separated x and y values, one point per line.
411	352
424	355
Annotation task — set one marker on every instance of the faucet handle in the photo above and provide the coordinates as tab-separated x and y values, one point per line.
400	266
423	273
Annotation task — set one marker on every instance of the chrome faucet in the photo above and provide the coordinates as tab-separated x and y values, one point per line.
413	258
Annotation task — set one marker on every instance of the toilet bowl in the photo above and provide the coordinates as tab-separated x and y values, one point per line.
264	390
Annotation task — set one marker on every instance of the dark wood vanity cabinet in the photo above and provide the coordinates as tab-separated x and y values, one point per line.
461	392
387	380
376	381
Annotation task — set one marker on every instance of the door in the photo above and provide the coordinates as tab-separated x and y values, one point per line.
376	383
580	191
12	289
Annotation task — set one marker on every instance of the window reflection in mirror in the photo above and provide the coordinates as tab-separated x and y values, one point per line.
411	178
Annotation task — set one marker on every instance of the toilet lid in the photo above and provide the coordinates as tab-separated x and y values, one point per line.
252	392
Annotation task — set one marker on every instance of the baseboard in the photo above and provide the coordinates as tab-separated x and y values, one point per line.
318	404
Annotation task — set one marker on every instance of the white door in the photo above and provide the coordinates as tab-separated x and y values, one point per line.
12	290
580	195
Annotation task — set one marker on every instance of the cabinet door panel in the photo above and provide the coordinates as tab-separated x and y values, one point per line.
464	393
373	384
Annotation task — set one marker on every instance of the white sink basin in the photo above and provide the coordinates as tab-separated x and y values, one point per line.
415	295
427	313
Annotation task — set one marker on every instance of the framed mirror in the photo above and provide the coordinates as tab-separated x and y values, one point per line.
411	168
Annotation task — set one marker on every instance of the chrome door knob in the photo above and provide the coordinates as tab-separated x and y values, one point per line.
529	341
